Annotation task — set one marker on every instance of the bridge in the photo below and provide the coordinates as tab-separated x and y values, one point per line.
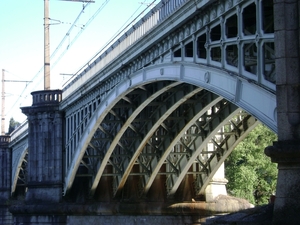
140	134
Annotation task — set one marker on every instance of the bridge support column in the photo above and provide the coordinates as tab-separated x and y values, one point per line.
44	181
5	180
286	152
287	155
217	185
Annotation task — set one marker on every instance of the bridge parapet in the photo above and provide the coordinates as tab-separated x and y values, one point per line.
46	97
4	140
19	133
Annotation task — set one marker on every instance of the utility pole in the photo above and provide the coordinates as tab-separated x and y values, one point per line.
3	105
46	46
47	41
3	99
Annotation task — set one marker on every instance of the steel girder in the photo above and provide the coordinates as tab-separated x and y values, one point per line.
164	125
124	107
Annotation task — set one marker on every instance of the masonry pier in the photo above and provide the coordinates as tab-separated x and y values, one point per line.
45	144
286	152
5	180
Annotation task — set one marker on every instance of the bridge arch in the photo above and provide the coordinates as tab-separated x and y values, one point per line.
19	145
183	82
19	172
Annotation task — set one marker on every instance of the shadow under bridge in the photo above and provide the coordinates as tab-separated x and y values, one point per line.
157	140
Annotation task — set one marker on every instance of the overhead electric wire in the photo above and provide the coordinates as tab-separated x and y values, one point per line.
80	32
52	55
120	31
74	39
69	31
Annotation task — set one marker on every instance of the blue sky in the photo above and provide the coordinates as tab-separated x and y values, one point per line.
22	42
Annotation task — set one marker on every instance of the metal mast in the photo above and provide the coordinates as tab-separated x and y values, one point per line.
47	41
46	46
3	105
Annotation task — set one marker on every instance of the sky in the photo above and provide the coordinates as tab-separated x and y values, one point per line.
22	42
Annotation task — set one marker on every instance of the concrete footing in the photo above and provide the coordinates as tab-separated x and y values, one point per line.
124	213
287	155
5	216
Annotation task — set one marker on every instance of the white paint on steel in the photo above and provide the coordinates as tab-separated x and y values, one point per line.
16	169
261	105
121	132
175	141
184	168
149	135
108	55
231	143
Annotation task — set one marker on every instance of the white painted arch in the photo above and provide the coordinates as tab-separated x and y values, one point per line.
19	157
257	101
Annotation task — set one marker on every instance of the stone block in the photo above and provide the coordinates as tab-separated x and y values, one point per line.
286	14
286	43
280	14
282	98
288	184
281	69
43	194
284	131
286	211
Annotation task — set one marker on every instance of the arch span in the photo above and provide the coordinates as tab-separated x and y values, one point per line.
19	172
125	132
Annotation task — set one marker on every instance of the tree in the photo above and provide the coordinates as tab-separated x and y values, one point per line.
12	125
250	173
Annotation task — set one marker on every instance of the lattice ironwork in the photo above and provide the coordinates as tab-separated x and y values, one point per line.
235	37
162	128
19	184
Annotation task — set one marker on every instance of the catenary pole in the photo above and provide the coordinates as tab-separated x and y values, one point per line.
3	105
46	46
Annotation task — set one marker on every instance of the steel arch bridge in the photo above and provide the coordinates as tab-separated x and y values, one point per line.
162	128
162	108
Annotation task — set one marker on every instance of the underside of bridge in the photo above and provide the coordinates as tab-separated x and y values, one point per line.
150	155
162	141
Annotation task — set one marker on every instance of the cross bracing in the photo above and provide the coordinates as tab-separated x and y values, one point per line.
163	129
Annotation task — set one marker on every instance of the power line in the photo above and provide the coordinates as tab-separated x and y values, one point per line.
114	37
52	55
80	32
69	31
72	42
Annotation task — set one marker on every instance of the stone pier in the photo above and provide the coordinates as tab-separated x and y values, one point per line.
286	151
5	180
45	157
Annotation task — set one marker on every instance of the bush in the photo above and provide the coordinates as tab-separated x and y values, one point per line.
250	173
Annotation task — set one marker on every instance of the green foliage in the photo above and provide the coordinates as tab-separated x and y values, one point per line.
250	173
12	125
